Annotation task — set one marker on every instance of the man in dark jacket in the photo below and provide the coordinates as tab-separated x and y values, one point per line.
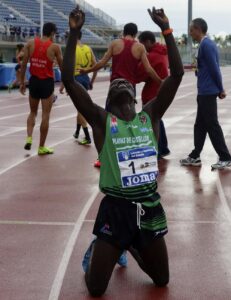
209	83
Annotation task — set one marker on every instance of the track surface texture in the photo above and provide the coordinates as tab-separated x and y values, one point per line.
48	206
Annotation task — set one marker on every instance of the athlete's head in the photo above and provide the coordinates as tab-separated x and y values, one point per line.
121	96
130	29
19	47
148	39
198	29
49	29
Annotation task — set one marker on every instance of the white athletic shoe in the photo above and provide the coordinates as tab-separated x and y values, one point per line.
189	161
221	165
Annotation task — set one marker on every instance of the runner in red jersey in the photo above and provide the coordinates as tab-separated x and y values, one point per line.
158	58
126	54
41	53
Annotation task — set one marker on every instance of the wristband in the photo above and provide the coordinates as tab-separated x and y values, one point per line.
167	31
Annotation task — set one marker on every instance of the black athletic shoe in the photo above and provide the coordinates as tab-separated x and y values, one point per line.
28	143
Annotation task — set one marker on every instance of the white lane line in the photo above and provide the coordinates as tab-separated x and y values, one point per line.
13	116
9	98
13	106
223	199
14	222
180	221
11	131
58	281
29	157
184	96
43	223
186	85
38	125
39	110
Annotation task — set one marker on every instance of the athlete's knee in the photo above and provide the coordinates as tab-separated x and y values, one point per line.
45	117
32	117
161	280
33	114
95	288
96	291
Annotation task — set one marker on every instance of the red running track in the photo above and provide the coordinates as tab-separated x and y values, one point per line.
48	206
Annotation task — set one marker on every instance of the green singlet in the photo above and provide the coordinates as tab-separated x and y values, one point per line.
129	167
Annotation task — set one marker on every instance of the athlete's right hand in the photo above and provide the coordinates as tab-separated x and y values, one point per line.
82	71
76	18
22	88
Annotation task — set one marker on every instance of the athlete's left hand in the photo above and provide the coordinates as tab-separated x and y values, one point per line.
159	17
22	88
76	18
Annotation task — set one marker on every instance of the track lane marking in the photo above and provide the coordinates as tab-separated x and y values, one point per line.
59	277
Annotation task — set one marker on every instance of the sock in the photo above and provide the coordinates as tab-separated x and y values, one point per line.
78	129
86	133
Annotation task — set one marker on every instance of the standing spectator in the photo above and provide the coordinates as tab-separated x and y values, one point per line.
209	88
31	33
57	37
18	33
37	31
66	35
12	33
24	34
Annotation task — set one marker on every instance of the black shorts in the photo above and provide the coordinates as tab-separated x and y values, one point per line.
17	67
41	88
117	223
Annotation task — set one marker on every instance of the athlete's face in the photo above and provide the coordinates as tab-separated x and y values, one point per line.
119	86
195	33
122	99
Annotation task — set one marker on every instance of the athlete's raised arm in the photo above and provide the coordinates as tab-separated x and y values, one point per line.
95	115
167	92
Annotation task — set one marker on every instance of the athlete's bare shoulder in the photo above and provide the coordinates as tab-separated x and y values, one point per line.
54	45
114	43
55	48
117	46
138	46
30	43
138	50
29	47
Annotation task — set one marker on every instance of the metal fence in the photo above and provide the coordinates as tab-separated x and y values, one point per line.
189	56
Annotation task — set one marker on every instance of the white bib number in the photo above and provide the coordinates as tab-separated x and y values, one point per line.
137	166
